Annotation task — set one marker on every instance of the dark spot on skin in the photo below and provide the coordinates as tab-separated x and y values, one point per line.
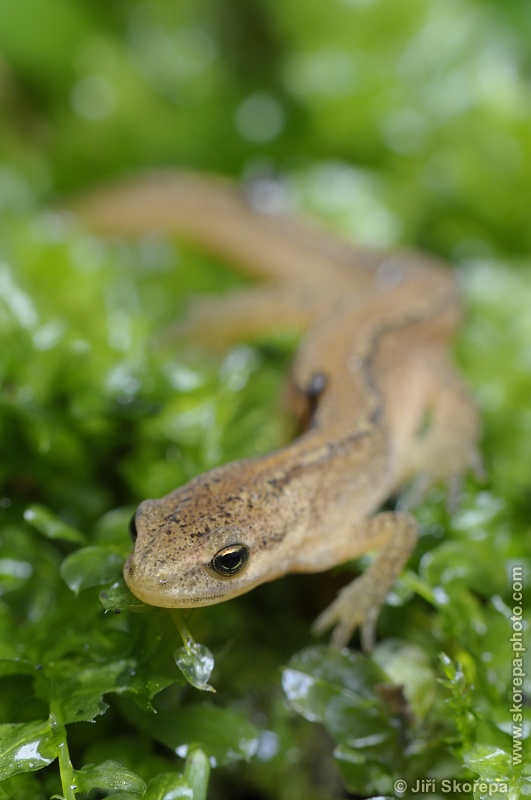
278	483
148	549
376	415
317	385
274	538
313	393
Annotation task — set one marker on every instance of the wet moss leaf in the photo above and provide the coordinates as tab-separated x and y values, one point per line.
50	526
91	566
464	564
125	796
224	735
490	763
25	747
79	693
117	597
197	772
24	786
16	666
193	783
496	770
356	702
167	786
319	676
108	775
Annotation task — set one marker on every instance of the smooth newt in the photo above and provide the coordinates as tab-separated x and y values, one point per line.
373	380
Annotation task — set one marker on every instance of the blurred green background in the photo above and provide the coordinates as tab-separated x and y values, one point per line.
427	100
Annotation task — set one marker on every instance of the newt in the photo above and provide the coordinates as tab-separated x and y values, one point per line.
373	381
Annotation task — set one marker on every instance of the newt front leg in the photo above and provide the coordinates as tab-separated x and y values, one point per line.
358	604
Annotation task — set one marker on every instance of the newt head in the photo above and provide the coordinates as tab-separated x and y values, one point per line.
210	540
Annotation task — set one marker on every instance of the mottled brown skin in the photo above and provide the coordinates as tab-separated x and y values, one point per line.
371	368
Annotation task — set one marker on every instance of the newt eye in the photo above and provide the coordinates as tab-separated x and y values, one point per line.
230	560
132	528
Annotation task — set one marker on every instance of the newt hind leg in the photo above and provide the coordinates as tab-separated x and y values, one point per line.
445	446
219	322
